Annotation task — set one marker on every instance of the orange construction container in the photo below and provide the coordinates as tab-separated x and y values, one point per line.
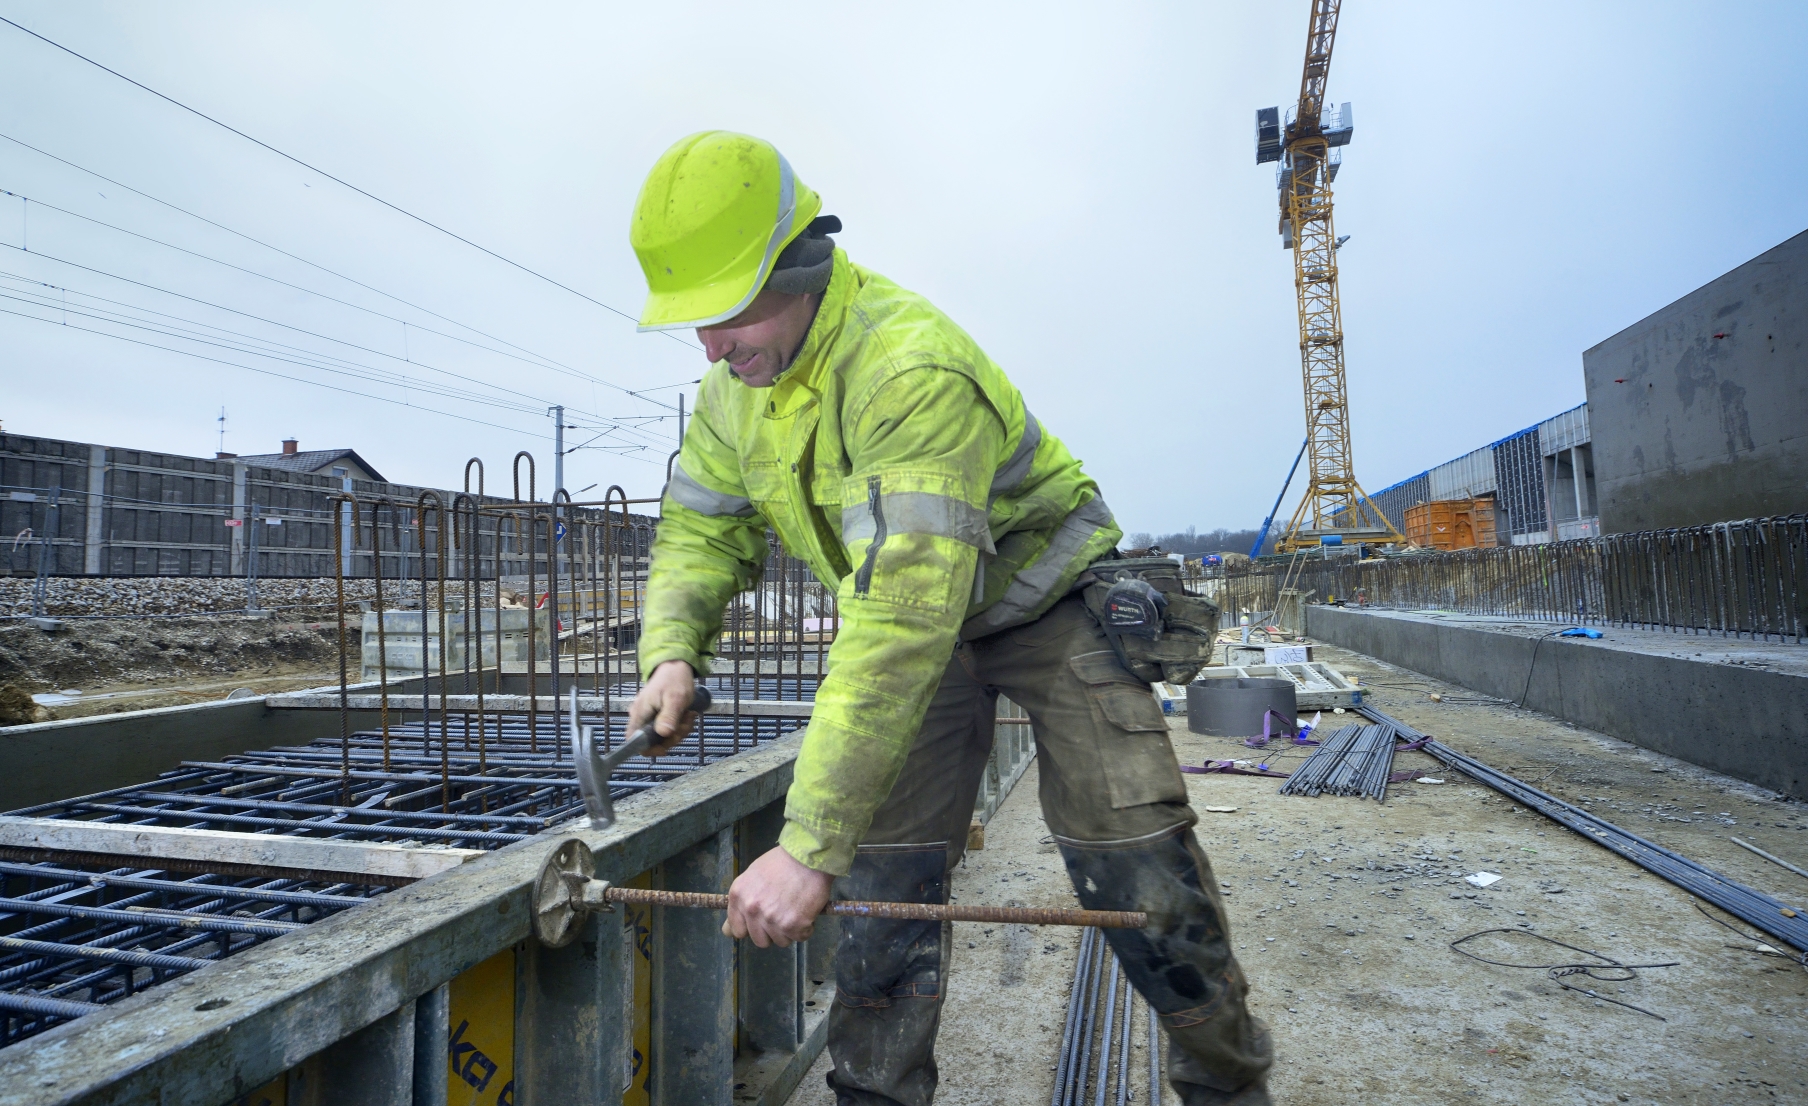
1452	523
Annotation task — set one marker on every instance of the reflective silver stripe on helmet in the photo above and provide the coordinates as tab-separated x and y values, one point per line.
705	501
1032	585
918	513
1017	467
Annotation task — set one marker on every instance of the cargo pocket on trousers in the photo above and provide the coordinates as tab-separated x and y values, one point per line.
1132	734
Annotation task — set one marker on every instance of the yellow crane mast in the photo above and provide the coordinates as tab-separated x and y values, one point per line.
1308	148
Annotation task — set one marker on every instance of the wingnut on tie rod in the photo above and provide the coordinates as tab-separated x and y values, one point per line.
567	890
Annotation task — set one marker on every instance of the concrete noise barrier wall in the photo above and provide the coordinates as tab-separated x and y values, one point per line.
1721	711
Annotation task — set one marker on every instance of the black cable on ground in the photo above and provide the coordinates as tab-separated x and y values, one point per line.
1755	908
1527	690
1559	971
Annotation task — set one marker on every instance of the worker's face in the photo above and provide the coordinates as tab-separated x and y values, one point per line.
761	342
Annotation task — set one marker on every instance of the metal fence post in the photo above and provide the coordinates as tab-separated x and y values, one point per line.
693	982
372	1067
771	985
571	1028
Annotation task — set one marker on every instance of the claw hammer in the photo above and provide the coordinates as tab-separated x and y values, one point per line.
595	768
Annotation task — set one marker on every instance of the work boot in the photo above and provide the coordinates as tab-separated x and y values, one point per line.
1181	961
1253	1094
888	980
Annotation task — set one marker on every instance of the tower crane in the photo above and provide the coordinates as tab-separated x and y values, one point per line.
1308	146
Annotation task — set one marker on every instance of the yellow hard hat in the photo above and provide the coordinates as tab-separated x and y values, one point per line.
711	218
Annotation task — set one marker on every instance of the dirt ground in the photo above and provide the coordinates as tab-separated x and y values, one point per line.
1342	911
135	663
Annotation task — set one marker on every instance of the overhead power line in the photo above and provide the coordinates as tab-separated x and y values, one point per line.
286	376
239	342
542	362
337	180
532	358
537	402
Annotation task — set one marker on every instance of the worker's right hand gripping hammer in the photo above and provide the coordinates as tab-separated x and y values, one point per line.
595	767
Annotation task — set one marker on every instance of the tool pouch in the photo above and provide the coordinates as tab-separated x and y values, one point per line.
1158	629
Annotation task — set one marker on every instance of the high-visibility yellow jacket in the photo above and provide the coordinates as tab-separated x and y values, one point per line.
893	457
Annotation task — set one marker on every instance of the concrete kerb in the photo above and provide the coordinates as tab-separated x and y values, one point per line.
1743	721
225	1029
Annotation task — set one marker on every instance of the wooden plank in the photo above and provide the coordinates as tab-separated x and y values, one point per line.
152	843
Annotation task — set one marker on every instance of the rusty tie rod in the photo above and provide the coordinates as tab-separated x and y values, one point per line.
567	892
904	911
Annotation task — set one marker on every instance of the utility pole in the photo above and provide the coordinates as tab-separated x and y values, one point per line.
251	562
558	451
46	553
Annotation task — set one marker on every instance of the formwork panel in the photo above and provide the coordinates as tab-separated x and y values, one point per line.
480	1042
637	1089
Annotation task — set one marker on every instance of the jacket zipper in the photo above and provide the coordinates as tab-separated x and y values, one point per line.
863	580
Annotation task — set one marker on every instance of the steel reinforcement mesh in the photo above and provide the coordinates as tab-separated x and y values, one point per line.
74	937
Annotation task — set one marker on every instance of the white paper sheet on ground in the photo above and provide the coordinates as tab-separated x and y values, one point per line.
1482	879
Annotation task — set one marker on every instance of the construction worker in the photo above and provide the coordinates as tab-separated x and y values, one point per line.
890	454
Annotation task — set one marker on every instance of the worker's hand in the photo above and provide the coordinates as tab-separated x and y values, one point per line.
775	901
667	695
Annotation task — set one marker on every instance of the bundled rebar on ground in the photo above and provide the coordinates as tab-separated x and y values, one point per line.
1354	760
1100	1010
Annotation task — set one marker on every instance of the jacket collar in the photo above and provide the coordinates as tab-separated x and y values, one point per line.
802	382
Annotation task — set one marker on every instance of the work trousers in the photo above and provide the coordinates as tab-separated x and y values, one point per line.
1112	792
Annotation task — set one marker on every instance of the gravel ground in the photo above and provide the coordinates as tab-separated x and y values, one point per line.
132	664
1342	911
77	596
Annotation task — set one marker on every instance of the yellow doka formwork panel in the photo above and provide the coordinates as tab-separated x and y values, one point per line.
273	1093
481	1040
639	922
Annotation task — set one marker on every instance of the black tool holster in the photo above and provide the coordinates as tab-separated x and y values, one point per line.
1178	643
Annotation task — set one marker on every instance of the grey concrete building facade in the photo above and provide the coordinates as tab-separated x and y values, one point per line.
1699	411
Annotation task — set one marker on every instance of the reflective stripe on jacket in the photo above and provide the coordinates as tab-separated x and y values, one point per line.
897	461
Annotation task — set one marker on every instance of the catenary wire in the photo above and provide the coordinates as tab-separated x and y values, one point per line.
286	376
337	180
292	256
388	377
543	362
119	320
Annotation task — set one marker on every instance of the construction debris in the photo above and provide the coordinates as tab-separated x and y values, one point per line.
1317	686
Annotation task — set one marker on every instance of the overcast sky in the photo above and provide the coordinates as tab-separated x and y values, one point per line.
1073	184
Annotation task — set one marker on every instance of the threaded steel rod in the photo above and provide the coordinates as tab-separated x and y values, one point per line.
906	911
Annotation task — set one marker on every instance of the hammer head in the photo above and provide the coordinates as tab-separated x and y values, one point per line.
594	768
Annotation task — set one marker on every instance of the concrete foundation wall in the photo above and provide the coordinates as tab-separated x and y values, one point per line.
1699	411
48	761
1739	720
